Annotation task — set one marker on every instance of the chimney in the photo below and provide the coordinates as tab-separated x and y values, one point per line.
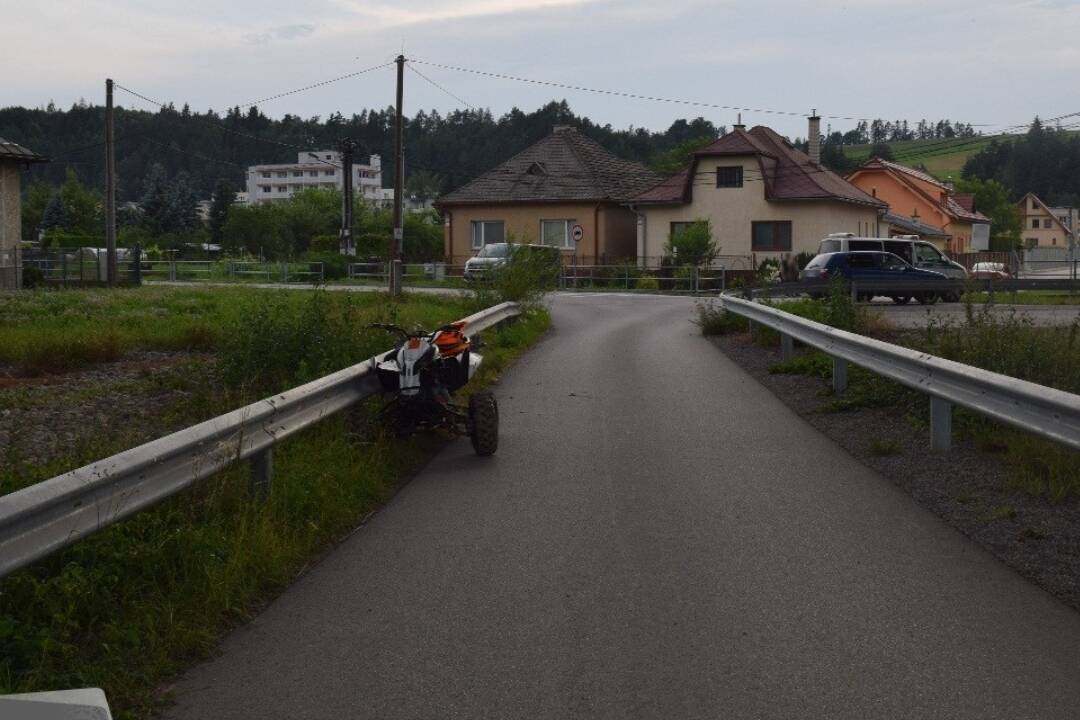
813	137
738	123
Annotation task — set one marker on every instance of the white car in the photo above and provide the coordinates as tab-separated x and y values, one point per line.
490	257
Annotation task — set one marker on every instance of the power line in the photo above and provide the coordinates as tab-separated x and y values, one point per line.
318	84
632	95
440	87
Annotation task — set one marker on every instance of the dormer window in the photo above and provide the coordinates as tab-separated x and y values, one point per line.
537	168
729	177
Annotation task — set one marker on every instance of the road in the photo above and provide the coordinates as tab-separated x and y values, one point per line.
657	537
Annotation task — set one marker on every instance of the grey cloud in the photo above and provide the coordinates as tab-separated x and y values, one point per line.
282	32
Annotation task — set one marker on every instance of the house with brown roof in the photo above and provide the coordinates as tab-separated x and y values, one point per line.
1041	226
565	190
13	159
763	197
925	200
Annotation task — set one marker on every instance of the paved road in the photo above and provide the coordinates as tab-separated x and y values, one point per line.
915	315
657	537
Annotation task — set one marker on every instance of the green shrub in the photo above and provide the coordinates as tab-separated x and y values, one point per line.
325	244
715	320
335	265
647	282
32	276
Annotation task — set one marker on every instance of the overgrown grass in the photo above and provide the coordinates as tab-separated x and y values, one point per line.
1025	297
134	604
1009	344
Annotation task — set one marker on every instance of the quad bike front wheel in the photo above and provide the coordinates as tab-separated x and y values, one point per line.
484	423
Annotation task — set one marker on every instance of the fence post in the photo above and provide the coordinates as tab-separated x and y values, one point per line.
262	473
723	279
787	346
940	424
172	270
63	267
136	256
694	279
839	375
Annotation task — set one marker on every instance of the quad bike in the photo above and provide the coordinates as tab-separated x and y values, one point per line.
423	372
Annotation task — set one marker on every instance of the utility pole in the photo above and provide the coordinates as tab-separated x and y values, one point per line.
347	147
110	187
399	185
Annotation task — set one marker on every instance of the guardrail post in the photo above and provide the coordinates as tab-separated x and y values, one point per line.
172	271
787	346
854	293
940	424
262	473
839	375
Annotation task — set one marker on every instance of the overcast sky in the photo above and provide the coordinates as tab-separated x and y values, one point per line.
994	62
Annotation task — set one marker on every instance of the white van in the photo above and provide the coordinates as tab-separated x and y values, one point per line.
911	248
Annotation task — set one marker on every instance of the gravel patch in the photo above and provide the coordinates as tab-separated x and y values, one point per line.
43	418
967	487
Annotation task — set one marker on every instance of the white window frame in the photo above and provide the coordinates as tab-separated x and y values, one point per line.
568	239
483	241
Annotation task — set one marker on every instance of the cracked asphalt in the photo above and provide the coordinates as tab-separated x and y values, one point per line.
657	537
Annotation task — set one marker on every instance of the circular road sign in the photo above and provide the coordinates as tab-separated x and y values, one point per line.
577	232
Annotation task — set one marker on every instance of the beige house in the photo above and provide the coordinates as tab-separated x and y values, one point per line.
565	190
763	197
1040	226
13	159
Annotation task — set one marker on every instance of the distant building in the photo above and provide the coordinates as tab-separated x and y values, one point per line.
763	197
1042	226
13	159
925	200
565	190
320	169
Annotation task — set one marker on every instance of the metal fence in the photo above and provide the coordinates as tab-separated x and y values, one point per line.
87	266
43	518
1040	410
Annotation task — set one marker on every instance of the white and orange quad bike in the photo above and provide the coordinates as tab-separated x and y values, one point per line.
422	373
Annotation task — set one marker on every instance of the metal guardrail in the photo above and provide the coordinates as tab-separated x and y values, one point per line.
43	518
913	286
1046	412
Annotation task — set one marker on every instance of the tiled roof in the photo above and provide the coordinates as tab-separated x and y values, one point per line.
788	174
15	151
565	166
914	227
960	205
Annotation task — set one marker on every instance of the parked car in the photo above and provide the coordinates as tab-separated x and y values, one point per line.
490	257
910	248
496	255
990	271
879	268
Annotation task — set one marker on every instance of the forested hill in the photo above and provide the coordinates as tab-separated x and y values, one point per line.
453	148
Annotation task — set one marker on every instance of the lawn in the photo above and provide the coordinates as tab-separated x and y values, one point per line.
133	605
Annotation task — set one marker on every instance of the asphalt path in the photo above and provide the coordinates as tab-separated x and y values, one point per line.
658	536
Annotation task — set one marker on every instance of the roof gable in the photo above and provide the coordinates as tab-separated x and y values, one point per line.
787	173
1045	209
565	166
956	207
14	151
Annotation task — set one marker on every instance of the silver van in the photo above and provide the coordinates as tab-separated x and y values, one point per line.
916	251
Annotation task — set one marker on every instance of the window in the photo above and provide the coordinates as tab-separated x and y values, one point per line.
863	259
892	262
283	174
298	173
1053	241
1046	224
1035	223
678	228
265	188
485	232
927	254
283	188
729	177
313	173
266	174
864	244
327	157
770	236
1034	205
556	233
328	173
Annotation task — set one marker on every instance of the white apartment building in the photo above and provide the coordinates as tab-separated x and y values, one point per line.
317	169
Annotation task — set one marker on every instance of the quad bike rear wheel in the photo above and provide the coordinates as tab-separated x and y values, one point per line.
484	423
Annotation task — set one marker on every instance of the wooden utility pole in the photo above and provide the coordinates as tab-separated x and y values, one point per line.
347	147
399	186
110	187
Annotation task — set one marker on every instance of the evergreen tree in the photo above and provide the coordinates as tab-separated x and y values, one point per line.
222	199
182	201
155	199
55	216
